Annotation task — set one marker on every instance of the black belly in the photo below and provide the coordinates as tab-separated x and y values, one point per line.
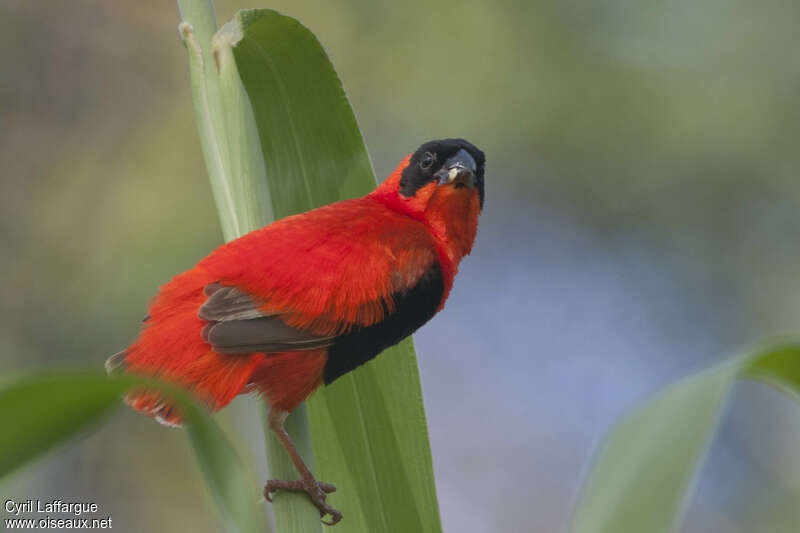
413	307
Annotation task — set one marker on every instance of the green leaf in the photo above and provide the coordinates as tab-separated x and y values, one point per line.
230	483
39	412
643	474
312	146
779	367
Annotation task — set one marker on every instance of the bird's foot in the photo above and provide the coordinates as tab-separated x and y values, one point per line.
316	490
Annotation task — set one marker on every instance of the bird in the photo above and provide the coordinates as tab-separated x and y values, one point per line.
295	305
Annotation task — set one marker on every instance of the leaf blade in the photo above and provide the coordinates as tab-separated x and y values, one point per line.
642	476
40	412
58	406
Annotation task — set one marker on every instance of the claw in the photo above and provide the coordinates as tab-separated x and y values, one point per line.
336	517
317	491
326	487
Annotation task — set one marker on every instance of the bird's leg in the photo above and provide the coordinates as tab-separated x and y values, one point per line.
307	483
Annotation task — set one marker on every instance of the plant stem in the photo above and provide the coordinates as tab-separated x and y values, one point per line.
233	157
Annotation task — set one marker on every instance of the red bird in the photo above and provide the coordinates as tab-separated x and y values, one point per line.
300	302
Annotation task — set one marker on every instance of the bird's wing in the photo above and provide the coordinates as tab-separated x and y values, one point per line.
300	283
236	325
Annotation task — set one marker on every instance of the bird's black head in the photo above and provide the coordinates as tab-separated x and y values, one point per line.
453	162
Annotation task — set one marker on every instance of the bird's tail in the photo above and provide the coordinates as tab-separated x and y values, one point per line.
116	363
148	402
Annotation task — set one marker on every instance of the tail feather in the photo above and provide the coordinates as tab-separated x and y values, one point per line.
147	402
116	363
155	406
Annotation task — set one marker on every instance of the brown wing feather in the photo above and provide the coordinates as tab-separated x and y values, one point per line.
227	303
237	326
266	334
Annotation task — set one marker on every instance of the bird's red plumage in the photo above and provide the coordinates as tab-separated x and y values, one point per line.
325	271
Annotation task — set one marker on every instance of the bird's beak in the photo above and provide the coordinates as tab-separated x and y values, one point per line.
459	170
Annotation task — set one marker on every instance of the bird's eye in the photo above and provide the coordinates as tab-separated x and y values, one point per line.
427	161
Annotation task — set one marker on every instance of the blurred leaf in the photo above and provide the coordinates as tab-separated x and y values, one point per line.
230	483
642	476
779	367
41	411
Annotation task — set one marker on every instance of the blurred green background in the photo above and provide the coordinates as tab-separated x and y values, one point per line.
641	223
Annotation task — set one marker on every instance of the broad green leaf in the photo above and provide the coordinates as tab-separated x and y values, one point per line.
313	150
42	411
39	412
642	476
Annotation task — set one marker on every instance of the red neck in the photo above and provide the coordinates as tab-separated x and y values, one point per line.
450	214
